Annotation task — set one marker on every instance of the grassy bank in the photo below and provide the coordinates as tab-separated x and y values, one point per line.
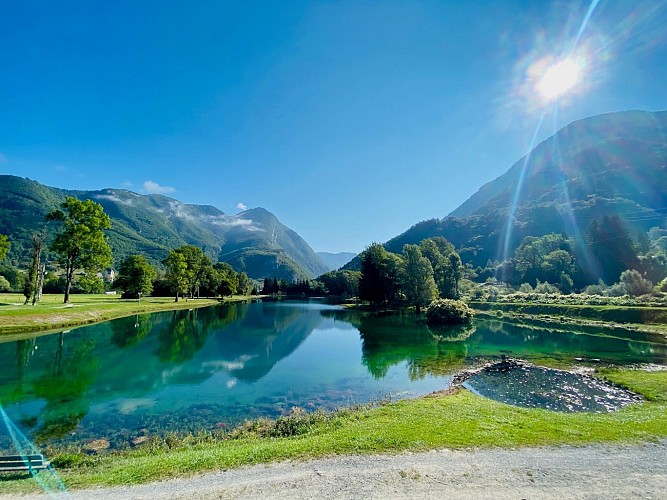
458	420
654	318
52	314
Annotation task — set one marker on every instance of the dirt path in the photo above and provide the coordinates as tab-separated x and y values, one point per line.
593	472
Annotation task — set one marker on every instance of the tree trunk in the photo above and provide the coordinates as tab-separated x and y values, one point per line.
418	308
176	299
69	274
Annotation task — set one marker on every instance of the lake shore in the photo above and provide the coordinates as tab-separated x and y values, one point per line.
454	420
50	315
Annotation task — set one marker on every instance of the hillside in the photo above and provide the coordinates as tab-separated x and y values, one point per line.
253	241
336	260
609	164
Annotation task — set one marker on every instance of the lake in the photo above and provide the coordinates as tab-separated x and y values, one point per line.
211	368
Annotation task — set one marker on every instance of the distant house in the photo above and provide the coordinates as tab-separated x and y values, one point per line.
108	275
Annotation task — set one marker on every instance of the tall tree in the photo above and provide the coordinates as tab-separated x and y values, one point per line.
177	275
446	264
417	280
612	247
81	244
379	282
32	281
136	277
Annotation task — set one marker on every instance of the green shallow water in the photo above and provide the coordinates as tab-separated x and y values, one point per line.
204	369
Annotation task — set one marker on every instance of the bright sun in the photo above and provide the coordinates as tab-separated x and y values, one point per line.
558	79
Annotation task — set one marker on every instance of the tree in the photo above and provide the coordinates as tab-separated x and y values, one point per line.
612	247
417	280
31	281
4	246
379	281
135	277
446	264
177	275
81	244
243	286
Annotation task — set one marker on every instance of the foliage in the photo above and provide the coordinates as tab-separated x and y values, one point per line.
4	246
635	283
416	277
342	283
612	247
379	283
448	311
177	276
5	286
446	264
88	283
135	276
546	287
662	286
525	288
81	243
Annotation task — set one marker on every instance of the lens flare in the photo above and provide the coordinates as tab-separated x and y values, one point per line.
559	79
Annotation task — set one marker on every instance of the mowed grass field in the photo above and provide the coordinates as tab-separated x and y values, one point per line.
52	314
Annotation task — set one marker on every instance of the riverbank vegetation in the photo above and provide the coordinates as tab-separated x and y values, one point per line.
458	419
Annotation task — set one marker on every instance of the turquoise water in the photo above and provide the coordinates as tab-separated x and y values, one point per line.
204	369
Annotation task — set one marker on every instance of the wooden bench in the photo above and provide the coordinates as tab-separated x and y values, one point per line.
28	463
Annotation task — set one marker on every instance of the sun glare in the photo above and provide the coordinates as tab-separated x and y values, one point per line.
558	79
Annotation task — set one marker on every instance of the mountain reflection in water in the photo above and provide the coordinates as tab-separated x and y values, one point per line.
210	368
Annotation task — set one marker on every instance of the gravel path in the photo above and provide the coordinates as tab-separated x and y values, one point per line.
593	472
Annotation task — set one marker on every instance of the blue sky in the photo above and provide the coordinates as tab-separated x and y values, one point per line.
350	120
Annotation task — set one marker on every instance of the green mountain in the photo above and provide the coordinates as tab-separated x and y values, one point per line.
608	164
253	241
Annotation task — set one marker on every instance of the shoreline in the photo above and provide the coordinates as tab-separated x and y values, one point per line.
31	322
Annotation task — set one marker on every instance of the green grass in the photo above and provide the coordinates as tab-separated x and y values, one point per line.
52	314
459	420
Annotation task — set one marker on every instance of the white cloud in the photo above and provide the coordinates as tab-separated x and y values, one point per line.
115	198
241	206
127	184
154	188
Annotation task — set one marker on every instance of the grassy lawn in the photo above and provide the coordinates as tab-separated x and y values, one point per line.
458	420
52	314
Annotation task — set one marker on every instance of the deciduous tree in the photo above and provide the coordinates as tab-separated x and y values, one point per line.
81	244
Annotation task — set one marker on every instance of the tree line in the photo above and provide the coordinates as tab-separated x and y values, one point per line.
80	246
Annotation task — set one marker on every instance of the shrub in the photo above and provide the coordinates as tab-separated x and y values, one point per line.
662	286
525	288
635	283
546	287
448	312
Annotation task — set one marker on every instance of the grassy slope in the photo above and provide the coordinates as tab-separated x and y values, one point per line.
460	420
51	313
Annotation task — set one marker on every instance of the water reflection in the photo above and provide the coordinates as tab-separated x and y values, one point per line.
194	369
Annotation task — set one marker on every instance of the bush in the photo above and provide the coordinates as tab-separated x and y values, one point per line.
546	287
635	283
525	288
448	312
662	286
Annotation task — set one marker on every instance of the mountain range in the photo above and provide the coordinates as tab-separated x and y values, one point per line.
253	241
614	163
336	260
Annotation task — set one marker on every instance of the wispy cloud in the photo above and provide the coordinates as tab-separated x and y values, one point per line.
241	206
127	184
154	188
3	158
60	168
